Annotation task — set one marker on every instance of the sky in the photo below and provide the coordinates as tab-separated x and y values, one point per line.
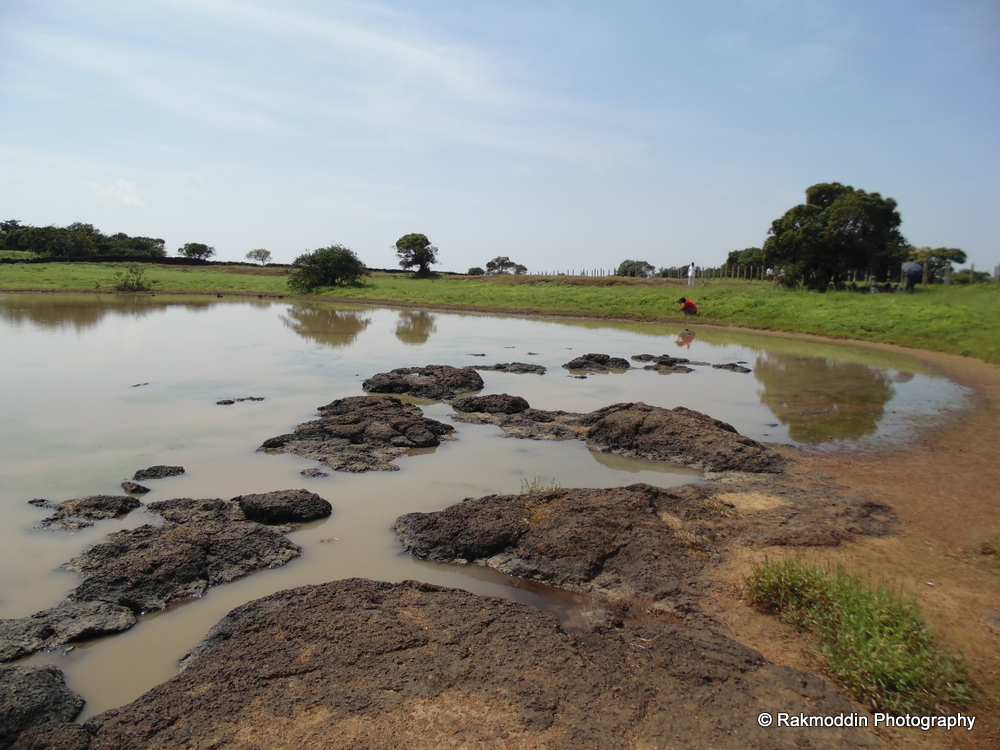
566	135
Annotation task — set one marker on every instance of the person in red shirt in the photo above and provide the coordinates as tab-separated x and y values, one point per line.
687	306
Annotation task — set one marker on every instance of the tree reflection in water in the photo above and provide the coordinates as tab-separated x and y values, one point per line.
822	400
326	326
415	326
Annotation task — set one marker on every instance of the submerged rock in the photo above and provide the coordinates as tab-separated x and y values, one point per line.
83	511
438	382
362	433
519	368
733	367
33	697
366	664
597	363
134	489
158	472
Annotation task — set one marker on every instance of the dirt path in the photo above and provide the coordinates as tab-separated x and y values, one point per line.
945	487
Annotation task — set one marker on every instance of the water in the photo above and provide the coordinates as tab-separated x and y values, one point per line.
95	387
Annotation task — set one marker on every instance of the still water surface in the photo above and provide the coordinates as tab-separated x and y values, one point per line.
95	387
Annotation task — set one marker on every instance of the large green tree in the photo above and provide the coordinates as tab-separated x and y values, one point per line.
327	266
937	260
502	264
837	231
198	250
415	250
639	268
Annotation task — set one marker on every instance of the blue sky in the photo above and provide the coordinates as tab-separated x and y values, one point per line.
564	135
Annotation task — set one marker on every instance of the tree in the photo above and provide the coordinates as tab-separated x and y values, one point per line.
196	250
261	255
416	250
476	271
503	264
937	261
751	256
638	268
327	266
837	230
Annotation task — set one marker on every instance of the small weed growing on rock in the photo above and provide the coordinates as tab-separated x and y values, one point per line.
989	548
873	641
538	484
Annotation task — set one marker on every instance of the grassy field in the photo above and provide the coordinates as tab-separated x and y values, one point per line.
961	320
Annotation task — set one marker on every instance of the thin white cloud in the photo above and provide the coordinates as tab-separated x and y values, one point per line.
123	191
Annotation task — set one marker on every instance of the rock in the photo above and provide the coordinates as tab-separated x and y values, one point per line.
498	403
158	472
362	664
31	697
188	510
148	567
54	737
597	363
519	368
62	624
362	433
680	435
438	382
667	364
82	512
733	367
284	506
533	424
313	472
134	489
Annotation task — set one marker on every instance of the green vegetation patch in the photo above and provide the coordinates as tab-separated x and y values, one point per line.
871	640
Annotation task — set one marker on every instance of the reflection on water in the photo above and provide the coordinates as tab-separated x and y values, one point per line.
72	425
415	326
822	400
326	326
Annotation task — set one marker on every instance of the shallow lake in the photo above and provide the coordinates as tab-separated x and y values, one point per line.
96	387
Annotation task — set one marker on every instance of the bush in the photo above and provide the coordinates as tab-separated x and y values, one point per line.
873	642
476	271
327	266
132	279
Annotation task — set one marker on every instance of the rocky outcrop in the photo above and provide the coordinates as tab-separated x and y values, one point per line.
33	697
733	367
83	511
666	364
157	472
362	433
597	363
518	368
361	664
62	624
285	506
497	403
680	435
437	382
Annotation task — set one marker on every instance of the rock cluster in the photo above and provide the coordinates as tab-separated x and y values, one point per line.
437	382
597	363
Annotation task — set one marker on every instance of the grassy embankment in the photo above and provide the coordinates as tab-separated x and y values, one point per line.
961	320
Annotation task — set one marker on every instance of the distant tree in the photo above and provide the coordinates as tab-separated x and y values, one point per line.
968	276
416	250
196	250
503	264
260	255
476	271
122	244
327	266
937	261
639	268
751	256
837	230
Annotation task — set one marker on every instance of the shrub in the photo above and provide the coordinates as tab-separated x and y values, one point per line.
132	279
327	266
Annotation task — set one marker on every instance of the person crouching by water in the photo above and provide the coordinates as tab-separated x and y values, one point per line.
687	306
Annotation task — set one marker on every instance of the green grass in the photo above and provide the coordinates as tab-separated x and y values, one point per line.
871	640
962	320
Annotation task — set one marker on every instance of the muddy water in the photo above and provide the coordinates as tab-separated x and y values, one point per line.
95	388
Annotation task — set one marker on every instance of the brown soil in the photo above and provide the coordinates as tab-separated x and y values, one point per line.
944	488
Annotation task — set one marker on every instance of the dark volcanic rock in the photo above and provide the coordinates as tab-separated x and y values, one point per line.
362	433
497	403
158	472
597	363
438	382
134	489
54	737
284	506
83	511
666	364
533	424
519	368
148	567
60	625
187	510
680	435
362	664
31	697
733	367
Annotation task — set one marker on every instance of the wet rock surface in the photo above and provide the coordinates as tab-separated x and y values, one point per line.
363	664
285	506
733	367
133	488
62	624
83	511
157	472
362	433
680	435
33	697
597	363
666	363
518	368
437	382
497	403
